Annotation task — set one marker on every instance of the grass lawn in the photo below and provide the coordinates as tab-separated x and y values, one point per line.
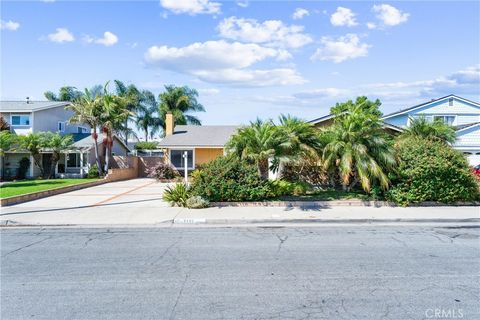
329	195
23	187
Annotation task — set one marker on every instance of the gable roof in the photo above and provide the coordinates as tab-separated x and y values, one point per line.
31	106
85	141
468	126
429	102
199	136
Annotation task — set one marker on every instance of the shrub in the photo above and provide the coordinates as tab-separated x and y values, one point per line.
230	179
177	195
92	172
146	145
163	171
286	188
197	202
431	171
23	166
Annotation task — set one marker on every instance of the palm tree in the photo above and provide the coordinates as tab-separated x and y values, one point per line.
56	143
7	140
88	110
4	126
357	147
431	130
146	118
34	143
258	143
180	101
112	120
66	93
298	140
132	97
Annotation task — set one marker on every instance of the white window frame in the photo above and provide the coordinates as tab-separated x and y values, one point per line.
83	129
61	126
21	115
454	122
182	149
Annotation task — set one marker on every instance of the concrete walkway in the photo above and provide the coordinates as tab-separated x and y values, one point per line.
138	202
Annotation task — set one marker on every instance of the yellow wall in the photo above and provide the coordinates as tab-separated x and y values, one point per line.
204	155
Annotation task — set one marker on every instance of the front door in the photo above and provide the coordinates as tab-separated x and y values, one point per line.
47	163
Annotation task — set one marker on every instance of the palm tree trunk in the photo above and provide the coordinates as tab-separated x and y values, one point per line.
146	135
126	132
53	165
97	156
263	169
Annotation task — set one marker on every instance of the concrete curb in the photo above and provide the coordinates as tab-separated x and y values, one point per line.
47	193
334	203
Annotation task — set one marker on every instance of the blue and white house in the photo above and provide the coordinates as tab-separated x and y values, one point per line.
461	113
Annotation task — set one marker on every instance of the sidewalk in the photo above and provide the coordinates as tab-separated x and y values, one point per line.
124	215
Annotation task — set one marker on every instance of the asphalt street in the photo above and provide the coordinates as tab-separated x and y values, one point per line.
344	272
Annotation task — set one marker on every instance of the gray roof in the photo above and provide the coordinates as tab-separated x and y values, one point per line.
199	136
23	106
85	141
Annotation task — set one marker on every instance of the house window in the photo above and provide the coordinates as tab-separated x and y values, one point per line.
73	160
21	120
446	119
61	126
178	161
450	102
82	130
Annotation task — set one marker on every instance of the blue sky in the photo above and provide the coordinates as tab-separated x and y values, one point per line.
247	59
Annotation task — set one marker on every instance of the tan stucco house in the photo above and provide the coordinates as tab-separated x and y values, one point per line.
24	117
202	143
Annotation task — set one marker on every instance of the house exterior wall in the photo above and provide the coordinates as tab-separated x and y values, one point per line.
204	155
11	163
47	120
20	130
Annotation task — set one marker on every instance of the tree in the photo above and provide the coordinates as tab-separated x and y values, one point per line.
258	143
4	126
88	110
146	117
357	148
34	143
132	97
66	93
362	102
7	140
432	130
180	101
56	143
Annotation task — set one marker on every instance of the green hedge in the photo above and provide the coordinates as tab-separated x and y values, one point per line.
431	171
229	179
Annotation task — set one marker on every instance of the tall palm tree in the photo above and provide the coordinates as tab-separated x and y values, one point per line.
112	119
57	143
180	101
146	117
357	148
66	93
133	98
258	143
432	130
88	110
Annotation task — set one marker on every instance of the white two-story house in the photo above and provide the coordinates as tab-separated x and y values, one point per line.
461	113
25	117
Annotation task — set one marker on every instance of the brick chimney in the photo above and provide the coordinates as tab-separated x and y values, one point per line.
169	124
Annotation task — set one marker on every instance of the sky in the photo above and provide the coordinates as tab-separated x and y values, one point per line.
247	59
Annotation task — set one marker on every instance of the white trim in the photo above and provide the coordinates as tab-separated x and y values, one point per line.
83	128
21	125
183	149
62	127
469	127
31	166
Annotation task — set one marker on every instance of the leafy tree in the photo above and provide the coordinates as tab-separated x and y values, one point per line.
34	143
362	102
4	124
57	143
88	110
146	117
7	140
257	143
357	148
180	101
66	93
433	130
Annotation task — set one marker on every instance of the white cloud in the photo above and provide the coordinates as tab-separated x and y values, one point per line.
270	32
389	15
109	39
242	3
371	25
320	93
300	13
9	25
343	17
191	7
61	35
208	91
224	62
341	49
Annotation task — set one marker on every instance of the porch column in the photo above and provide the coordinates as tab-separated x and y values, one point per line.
81	163
31	166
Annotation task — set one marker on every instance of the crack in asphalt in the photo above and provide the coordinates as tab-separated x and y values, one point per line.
27	246
172	313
